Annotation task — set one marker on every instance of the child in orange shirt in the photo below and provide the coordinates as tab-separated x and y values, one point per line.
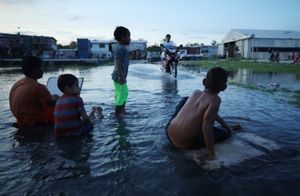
31	102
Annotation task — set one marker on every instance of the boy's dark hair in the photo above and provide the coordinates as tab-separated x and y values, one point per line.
120	32
168	35
216	79
66	80
30	64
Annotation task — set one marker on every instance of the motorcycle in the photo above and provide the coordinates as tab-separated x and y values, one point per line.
171	56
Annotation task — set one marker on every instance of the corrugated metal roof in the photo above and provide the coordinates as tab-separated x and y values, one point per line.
273	34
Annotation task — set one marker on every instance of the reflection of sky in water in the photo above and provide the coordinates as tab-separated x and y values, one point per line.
285	80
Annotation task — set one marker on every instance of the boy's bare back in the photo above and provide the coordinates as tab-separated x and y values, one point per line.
186	127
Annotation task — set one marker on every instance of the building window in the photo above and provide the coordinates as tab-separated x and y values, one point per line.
101	45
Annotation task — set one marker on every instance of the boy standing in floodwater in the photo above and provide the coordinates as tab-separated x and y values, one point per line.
193	123
119	75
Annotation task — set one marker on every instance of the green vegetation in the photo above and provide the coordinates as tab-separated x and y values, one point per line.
154	48
72	45
234	64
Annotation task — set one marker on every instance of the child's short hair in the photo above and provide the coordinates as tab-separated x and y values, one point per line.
30	64
66	80
168	35
216	79
120	32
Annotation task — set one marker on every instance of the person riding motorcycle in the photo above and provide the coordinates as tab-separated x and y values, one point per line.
169	52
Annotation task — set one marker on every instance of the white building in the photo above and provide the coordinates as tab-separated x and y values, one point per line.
134	45
258	44
105	48
101	49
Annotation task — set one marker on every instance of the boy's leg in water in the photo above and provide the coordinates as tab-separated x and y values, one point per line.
120	110
168	70
121	94
220	134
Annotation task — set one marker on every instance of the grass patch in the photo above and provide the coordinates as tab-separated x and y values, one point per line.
234	64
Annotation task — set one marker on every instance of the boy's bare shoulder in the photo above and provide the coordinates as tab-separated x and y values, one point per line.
215	99
197	92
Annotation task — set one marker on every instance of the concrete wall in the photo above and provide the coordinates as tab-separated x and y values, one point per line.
246	53
221	49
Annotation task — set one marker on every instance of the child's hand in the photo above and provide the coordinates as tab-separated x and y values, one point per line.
206	157
85	118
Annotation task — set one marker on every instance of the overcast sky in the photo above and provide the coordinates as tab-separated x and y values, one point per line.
188	21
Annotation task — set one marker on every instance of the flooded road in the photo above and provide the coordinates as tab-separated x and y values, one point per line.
132	156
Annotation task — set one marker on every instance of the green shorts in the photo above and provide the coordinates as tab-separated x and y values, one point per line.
121	93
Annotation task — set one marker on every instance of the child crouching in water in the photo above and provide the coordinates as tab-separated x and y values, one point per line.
70	116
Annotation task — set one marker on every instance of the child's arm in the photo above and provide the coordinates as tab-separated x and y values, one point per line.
82	111
121	75
85	117
223	123
119	64
207	127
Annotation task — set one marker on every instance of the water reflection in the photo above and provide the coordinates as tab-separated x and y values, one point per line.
50	159
282	80
75	153
289	81
169	84
122	147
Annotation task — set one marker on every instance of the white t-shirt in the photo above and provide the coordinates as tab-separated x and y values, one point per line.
168	45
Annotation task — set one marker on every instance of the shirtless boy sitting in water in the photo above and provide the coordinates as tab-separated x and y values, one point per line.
192	127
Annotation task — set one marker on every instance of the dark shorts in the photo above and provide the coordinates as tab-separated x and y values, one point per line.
220	134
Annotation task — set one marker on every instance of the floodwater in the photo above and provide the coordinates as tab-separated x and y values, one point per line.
132	156
287	81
